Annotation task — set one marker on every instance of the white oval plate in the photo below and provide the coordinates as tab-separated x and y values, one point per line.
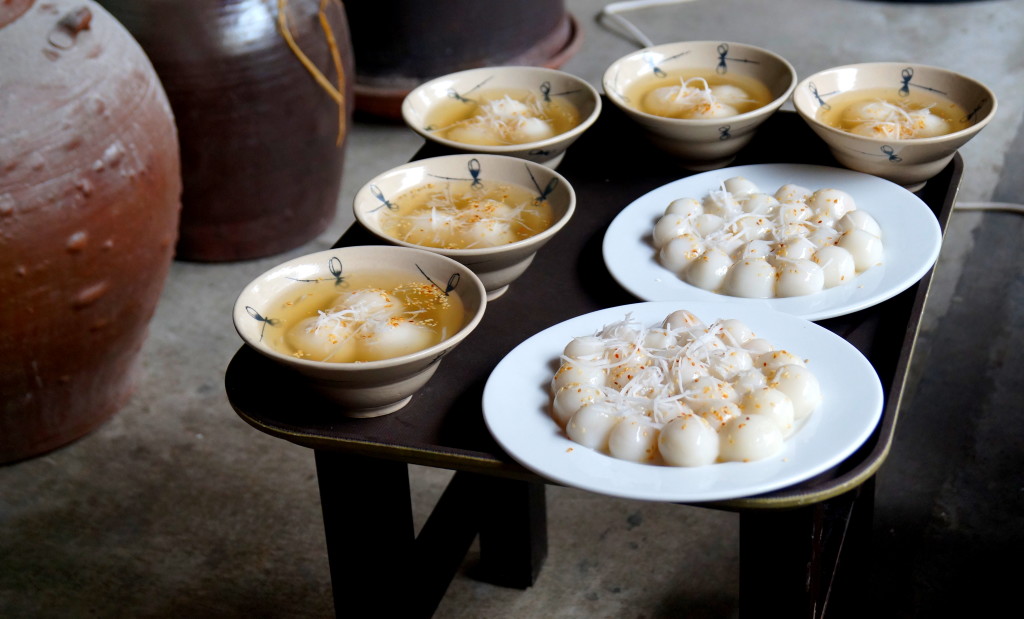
911	237
516	410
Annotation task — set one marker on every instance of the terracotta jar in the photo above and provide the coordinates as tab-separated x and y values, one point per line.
90	192
262	140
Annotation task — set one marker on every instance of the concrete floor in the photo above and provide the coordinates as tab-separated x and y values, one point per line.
176	507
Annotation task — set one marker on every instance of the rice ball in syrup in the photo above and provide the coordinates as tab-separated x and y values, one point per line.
368	316
457	214
503	116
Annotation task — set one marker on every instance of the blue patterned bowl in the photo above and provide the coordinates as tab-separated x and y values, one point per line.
911	161
465	91
699	143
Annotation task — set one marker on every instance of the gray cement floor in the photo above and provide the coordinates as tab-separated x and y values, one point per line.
176	507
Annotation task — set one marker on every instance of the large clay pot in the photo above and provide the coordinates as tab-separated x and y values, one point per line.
260	150
90	191
400	44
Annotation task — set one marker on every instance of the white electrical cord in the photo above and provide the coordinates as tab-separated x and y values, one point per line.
989	206
611	15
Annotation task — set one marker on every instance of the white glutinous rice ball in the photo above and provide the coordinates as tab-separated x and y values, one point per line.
687	207
791	192
489	233
664	101
708	270
506	106
731	363
772	360
621	375
859	219
831	203
680	251
634	440
756	249
713	110
823	235
801	386
759	203
716	412
531	130
663	411
748	438
721	203
927	125
866	248
731	95
740	186
869	111
659	339
688	441
771	403
706	224
751	278
882	130
752	227
331	341
708	388
577	373
684	320
585	347
836	264
791	212
394	338
591	425
476	133
758	346
795	248
669	227
427	227
734	331
798	278
570	399
748	381
368	302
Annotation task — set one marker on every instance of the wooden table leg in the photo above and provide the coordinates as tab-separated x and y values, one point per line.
369	528
379	567
513	531
791	560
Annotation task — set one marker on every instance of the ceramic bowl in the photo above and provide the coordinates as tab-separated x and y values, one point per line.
908	162
699	143
362	389
496	266
432	106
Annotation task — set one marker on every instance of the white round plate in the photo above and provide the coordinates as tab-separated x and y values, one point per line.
516	409
911	237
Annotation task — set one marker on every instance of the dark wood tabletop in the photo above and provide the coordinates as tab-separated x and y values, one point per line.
609	167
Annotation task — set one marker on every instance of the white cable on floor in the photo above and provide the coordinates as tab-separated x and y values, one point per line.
611	14
989	206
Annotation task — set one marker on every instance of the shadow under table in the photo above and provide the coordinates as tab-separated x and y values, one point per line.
803	549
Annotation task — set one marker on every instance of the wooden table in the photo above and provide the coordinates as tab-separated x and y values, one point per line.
802	547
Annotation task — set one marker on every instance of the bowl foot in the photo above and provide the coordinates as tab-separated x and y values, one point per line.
497	292
380	411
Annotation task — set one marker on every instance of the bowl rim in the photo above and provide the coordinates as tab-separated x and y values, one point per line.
499	149
436	350
771	106
811	118
536	239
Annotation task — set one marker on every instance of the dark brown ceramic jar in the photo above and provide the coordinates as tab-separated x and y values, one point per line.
90	191
400	44
260	151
